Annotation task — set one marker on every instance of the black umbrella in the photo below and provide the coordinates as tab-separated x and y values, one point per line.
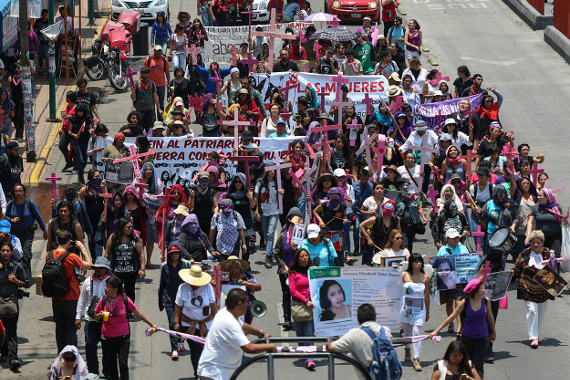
333	34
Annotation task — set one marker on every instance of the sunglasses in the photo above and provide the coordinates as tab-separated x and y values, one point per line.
327	180
456	182
398	238
129	227
238	182
488	101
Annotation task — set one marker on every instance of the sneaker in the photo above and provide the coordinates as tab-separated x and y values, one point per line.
539	340
417	365
351	261
174	355
489	359
67	167
268	262
14	365
181	346
310	365
252	248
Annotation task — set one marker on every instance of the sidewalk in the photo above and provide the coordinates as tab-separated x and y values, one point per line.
47	132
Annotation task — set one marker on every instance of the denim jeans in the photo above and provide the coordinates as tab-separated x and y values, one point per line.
356	232
160	91
476	350
206	16
269	223
117	350
64	317
178	60
303	329
80	149
409	233
163	42
196	90
26	239
346	236
173	340
302	202
92	339
100	242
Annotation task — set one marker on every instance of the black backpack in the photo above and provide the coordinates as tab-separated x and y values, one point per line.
54	281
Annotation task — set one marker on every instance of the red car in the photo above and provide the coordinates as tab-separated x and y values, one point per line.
355	10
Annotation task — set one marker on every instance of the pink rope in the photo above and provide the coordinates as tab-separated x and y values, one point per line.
149	332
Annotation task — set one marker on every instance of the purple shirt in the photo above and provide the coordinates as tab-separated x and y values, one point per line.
475	324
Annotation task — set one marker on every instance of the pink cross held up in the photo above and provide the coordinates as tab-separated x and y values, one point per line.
397	104
509	152
250	61
438	78
222	159
478	236
533	171
366	147
234	55
246	160
353	134
558	187
470	113
424	149
271	35
486	271
368	101
53	180
106	195
288	86
193	51
326	156
277	169
380	150
130	74
469	157
437	173
164	196
339	80
322	94
340	105
250	13
236	124
141	186
432	194
134	159
393	119
295	179
439	117
218	82
285	116
307	179
351	63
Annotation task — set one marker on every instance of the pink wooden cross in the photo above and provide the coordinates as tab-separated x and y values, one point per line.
250	13
271	35
322	94
222	159
105	195
307	179
486	271
277	169
437	172
380	150
236	124
141	186
509	152
316	48
218	82
353	134
340	105
295	179
339	80
439	117
558	187
478	236
368	101
533	171
246	160
285	116
469	157
134	159
424	149
366	147
326	148
53	180
396	125
288	86
164	196
193	51
397	104
432	194
312	153
470	113
326	127
438	78
375	34
250	61
130	74
234	55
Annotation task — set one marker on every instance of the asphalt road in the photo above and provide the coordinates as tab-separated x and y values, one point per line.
488	38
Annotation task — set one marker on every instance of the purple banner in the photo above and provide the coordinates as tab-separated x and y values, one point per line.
430	111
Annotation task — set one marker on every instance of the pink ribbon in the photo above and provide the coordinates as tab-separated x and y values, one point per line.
197	339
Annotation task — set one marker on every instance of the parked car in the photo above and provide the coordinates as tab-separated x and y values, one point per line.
264	16
147	8
354	10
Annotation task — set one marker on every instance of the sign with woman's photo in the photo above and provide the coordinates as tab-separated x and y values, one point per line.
338	292
550	281
497	284
458	269
444	272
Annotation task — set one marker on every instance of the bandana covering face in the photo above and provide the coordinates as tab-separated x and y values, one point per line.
333	202
388	208
71	195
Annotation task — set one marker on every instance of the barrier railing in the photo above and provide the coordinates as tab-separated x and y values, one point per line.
561	16
538	5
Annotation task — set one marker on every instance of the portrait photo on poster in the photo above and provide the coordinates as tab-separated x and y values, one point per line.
444	269
335	300
390	261
497	284
414	307
550	281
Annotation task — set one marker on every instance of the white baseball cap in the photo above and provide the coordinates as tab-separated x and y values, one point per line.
452	233
313	231
339	173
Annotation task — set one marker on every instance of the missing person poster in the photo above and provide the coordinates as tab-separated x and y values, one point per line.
550	281
466	267
338	292
444	272
497	284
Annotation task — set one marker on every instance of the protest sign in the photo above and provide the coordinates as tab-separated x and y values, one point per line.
338	292
430	111
120	172
178	159
373	85
466	267
550	281
444	271
298	234
497	284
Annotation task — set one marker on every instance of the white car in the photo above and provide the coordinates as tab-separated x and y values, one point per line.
263	17
147	8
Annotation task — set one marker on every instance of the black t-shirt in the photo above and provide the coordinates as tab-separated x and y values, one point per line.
135	131
181	90
461	85
463	125
38	26
486	144
400	60
88	98
279	67
325	66
334	217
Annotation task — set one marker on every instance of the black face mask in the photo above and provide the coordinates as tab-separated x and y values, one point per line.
71	195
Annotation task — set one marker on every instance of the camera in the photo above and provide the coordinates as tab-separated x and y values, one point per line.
72	243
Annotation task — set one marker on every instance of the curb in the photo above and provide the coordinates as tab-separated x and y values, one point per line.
45	153
529	15
557	41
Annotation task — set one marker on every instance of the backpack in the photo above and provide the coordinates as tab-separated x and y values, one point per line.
55	283
476	190
125	301
386	364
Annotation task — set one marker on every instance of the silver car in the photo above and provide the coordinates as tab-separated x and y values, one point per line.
147	8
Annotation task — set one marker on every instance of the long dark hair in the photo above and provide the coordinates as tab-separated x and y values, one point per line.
118	234
121	210
295	266
456	346
144	144
413	258
327	314
346	150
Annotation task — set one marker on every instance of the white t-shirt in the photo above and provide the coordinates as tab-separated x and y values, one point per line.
390	253
482	196
222	354
415	172
271	205
184	297
371	204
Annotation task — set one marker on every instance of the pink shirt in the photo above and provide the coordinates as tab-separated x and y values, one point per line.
299	286
118	324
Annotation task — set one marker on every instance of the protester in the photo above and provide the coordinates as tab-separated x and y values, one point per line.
11	168
455	364
382	224
69	365
160	32
266	199
546	216
226	228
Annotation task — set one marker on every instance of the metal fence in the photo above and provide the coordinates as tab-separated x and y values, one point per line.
538	5
562	16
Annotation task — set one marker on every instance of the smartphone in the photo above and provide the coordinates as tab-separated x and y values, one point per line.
206	311
72	243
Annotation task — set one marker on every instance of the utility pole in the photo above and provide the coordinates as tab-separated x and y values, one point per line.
52	107
29	127
91	11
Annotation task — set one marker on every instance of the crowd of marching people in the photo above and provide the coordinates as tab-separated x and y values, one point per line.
462	180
